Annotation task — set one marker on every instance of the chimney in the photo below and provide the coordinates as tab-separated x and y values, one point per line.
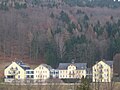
73	61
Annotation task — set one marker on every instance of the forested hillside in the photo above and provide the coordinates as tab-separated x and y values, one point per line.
41	33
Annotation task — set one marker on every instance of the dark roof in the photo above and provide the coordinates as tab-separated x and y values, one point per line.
110	63
78	65
22	65
47	66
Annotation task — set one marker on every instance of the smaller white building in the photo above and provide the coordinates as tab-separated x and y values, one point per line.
42	72
89	73
30	74
54	73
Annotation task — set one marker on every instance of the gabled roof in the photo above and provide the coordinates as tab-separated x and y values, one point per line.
45	65
110	63
78	65
23	65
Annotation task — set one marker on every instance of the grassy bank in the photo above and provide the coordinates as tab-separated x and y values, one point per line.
94	86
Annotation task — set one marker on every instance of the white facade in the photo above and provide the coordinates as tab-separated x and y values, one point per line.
30	74
15	71
54	73
72	71
102	71
42	72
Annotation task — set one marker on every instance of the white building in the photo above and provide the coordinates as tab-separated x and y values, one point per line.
42	72
54	73
15	71
72	70
102	71
30	74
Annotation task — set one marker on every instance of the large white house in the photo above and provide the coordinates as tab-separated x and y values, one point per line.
42	72
102	71
15	71
72	70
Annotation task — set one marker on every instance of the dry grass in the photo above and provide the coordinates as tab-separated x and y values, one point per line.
35	87
102	86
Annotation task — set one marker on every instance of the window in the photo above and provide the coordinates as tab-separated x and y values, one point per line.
9	72
27	76
16	68
101	76
58	72
107	74
18	72
94	69
13	72
100	71
11	67
32	76
27	72
32	72
18	76
10	76
95	80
